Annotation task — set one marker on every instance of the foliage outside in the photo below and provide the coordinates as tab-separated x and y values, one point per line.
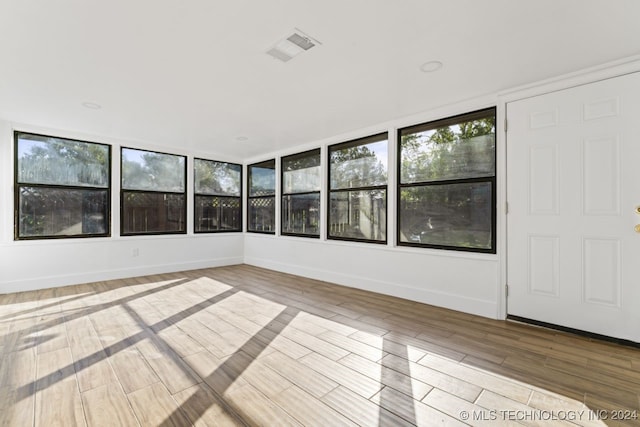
67	195
435	212
151	171
361	214
217	178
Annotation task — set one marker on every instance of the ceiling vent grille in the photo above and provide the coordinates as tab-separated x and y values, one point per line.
292	46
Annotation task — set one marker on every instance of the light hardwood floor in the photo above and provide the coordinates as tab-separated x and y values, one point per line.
242	345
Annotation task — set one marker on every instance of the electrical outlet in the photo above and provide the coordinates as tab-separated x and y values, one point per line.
135	252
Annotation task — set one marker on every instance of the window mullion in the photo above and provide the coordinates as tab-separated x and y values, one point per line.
449	199
62	187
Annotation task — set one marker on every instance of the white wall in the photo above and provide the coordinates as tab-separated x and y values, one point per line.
443	278
42	264
473	283
463	281
28	265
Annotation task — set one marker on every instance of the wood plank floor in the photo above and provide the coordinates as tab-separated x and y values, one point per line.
242	345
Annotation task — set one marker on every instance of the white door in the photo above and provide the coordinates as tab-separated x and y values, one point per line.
573	192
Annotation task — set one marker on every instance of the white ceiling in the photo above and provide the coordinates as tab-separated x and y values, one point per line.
195	73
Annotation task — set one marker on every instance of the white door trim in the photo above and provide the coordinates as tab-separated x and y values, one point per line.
589	75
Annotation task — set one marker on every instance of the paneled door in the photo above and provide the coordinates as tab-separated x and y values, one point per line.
573	192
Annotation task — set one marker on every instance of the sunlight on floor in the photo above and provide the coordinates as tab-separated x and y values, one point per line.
202	350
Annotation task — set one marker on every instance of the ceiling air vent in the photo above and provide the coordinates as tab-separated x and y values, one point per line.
292	46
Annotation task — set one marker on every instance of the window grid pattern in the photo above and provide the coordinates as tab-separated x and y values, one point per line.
217	196
358	190
447	183
153	193
261	190
446	189
300	207
62	188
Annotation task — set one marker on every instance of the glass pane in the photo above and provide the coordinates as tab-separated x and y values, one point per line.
261	214
449	215
301	214
217	214
302	180
56	161
148	170
359	166
217	178
152	213
262	181
47	212
301	173
358	215
465	150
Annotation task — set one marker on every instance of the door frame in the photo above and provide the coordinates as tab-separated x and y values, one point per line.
589	75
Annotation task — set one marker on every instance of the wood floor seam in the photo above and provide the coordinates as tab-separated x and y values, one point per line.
242	345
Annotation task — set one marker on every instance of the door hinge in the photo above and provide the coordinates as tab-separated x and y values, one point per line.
506	289
505	125
506	208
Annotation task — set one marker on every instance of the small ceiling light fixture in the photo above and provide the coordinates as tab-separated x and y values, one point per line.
242	138
431	66
91	105
292	46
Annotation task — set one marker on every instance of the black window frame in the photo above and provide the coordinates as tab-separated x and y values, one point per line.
123	191
307	153
383	136
431	125
266	164
220	197
18	186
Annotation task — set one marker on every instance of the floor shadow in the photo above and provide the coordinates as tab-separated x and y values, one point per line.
15	336
71	369
233	367
392	400
238	362
24	296
45	306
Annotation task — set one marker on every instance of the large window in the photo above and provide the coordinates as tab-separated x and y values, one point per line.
358	190
218	197
301	194
62	187
261	211
153	199
447	183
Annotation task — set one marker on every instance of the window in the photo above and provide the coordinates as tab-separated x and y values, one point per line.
217	199
153	199
358	190
447	183
62	187
301	194
261	211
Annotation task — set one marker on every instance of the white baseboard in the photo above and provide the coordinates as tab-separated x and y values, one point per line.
43	282
475	306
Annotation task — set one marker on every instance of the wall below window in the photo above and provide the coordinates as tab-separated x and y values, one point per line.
37	264
461	281
44	264
457	281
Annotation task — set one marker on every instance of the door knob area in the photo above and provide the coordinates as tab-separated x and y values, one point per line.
637	228
638	209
